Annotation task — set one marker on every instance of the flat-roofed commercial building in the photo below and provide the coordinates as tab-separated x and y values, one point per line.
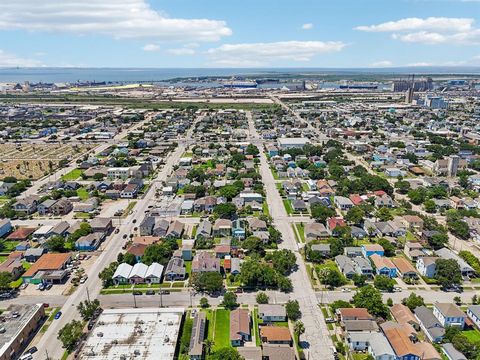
18	325
149	334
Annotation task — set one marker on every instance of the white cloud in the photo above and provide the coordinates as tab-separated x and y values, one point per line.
256	54
151	47
307	26
11	60
432	30
440	24
115	18
383	63
181	51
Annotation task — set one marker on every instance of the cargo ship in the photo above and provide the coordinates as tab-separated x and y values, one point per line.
235	84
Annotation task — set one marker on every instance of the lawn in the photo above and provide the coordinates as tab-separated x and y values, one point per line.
8	246
472	335
258	342
265	209
288	206
3	258
72	175
301	231
222	329
82	193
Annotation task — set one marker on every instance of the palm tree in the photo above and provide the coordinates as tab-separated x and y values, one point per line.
208	343
298	328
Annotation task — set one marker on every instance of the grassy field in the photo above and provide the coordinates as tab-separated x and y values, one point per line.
288	206
222	329
82	193
301	231
72	175
258	342
472	335
8	246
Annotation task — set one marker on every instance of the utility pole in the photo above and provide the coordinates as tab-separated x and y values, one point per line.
46	353
134	300
161	297
88	295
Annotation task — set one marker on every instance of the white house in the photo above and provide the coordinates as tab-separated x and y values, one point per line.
449	314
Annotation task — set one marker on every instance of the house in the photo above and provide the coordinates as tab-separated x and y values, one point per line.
446	253
12	265
90	242
205	262
45	207
351	326
204	230
380	348
404	268
31	255
239	327
100	224
384	200
137	250
138	273
315	231
206	204
277	352
256	224
451	353
394	172
195	349
322	249
175	270
238	229
346	266
130	191
429	324
175	230
61	207
370	249
403	315
333	224
272	312
343	203
426	266
413	222
383	266
413	250
473	312
21	234
359	340
42	233
345	314
352	251
222	228
49	268
61	229
235	266
4	187
357	232
160	228
402	346
449	314
154	274
299	205
362	266
222	250
27	205
146	226
187	249
121	274
5	227
275	335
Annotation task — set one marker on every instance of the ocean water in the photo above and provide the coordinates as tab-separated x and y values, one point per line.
71	75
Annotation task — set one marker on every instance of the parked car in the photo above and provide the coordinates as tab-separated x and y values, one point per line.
164	292
46	305
32	350
136	292
58	315
150	292
48	286
40	287
83	279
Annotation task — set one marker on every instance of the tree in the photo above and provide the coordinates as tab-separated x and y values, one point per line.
413	301
70	334
207	282
251	150
56	244
129	258
5	280
457	300
417	196
225	211
384	214
88	308
339	304
230	300
332	278
292	308
370	298
448	273
389	302
355	215
359	280
430	206
208	344
254	245
283	260
298	328
387	247
230	191
262	298
384	283
159	253
204	303
227	353
459	228
402	186
106	274
321	212
438	241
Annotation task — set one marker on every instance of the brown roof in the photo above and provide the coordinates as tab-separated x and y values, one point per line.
403	265
359	313
48	262
275	333
278	352
412	218
427	350
137	249
21	233
381	262
146	240
239	323
402	314
400	342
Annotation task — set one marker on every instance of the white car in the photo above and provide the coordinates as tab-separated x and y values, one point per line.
83	279
346	290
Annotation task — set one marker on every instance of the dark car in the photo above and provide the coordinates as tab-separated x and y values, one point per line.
136	292
32	350
57	315
164	292
150	292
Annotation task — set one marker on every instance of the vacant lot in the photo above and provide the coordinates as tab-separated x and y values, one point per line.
33	161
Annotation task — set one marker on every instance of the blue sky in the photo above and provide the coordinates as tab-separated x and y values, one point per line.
246	33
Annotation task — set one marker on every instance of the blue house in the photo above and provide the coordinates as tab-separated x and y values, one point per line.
5	227
384	266
370	249
90	242
238	229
